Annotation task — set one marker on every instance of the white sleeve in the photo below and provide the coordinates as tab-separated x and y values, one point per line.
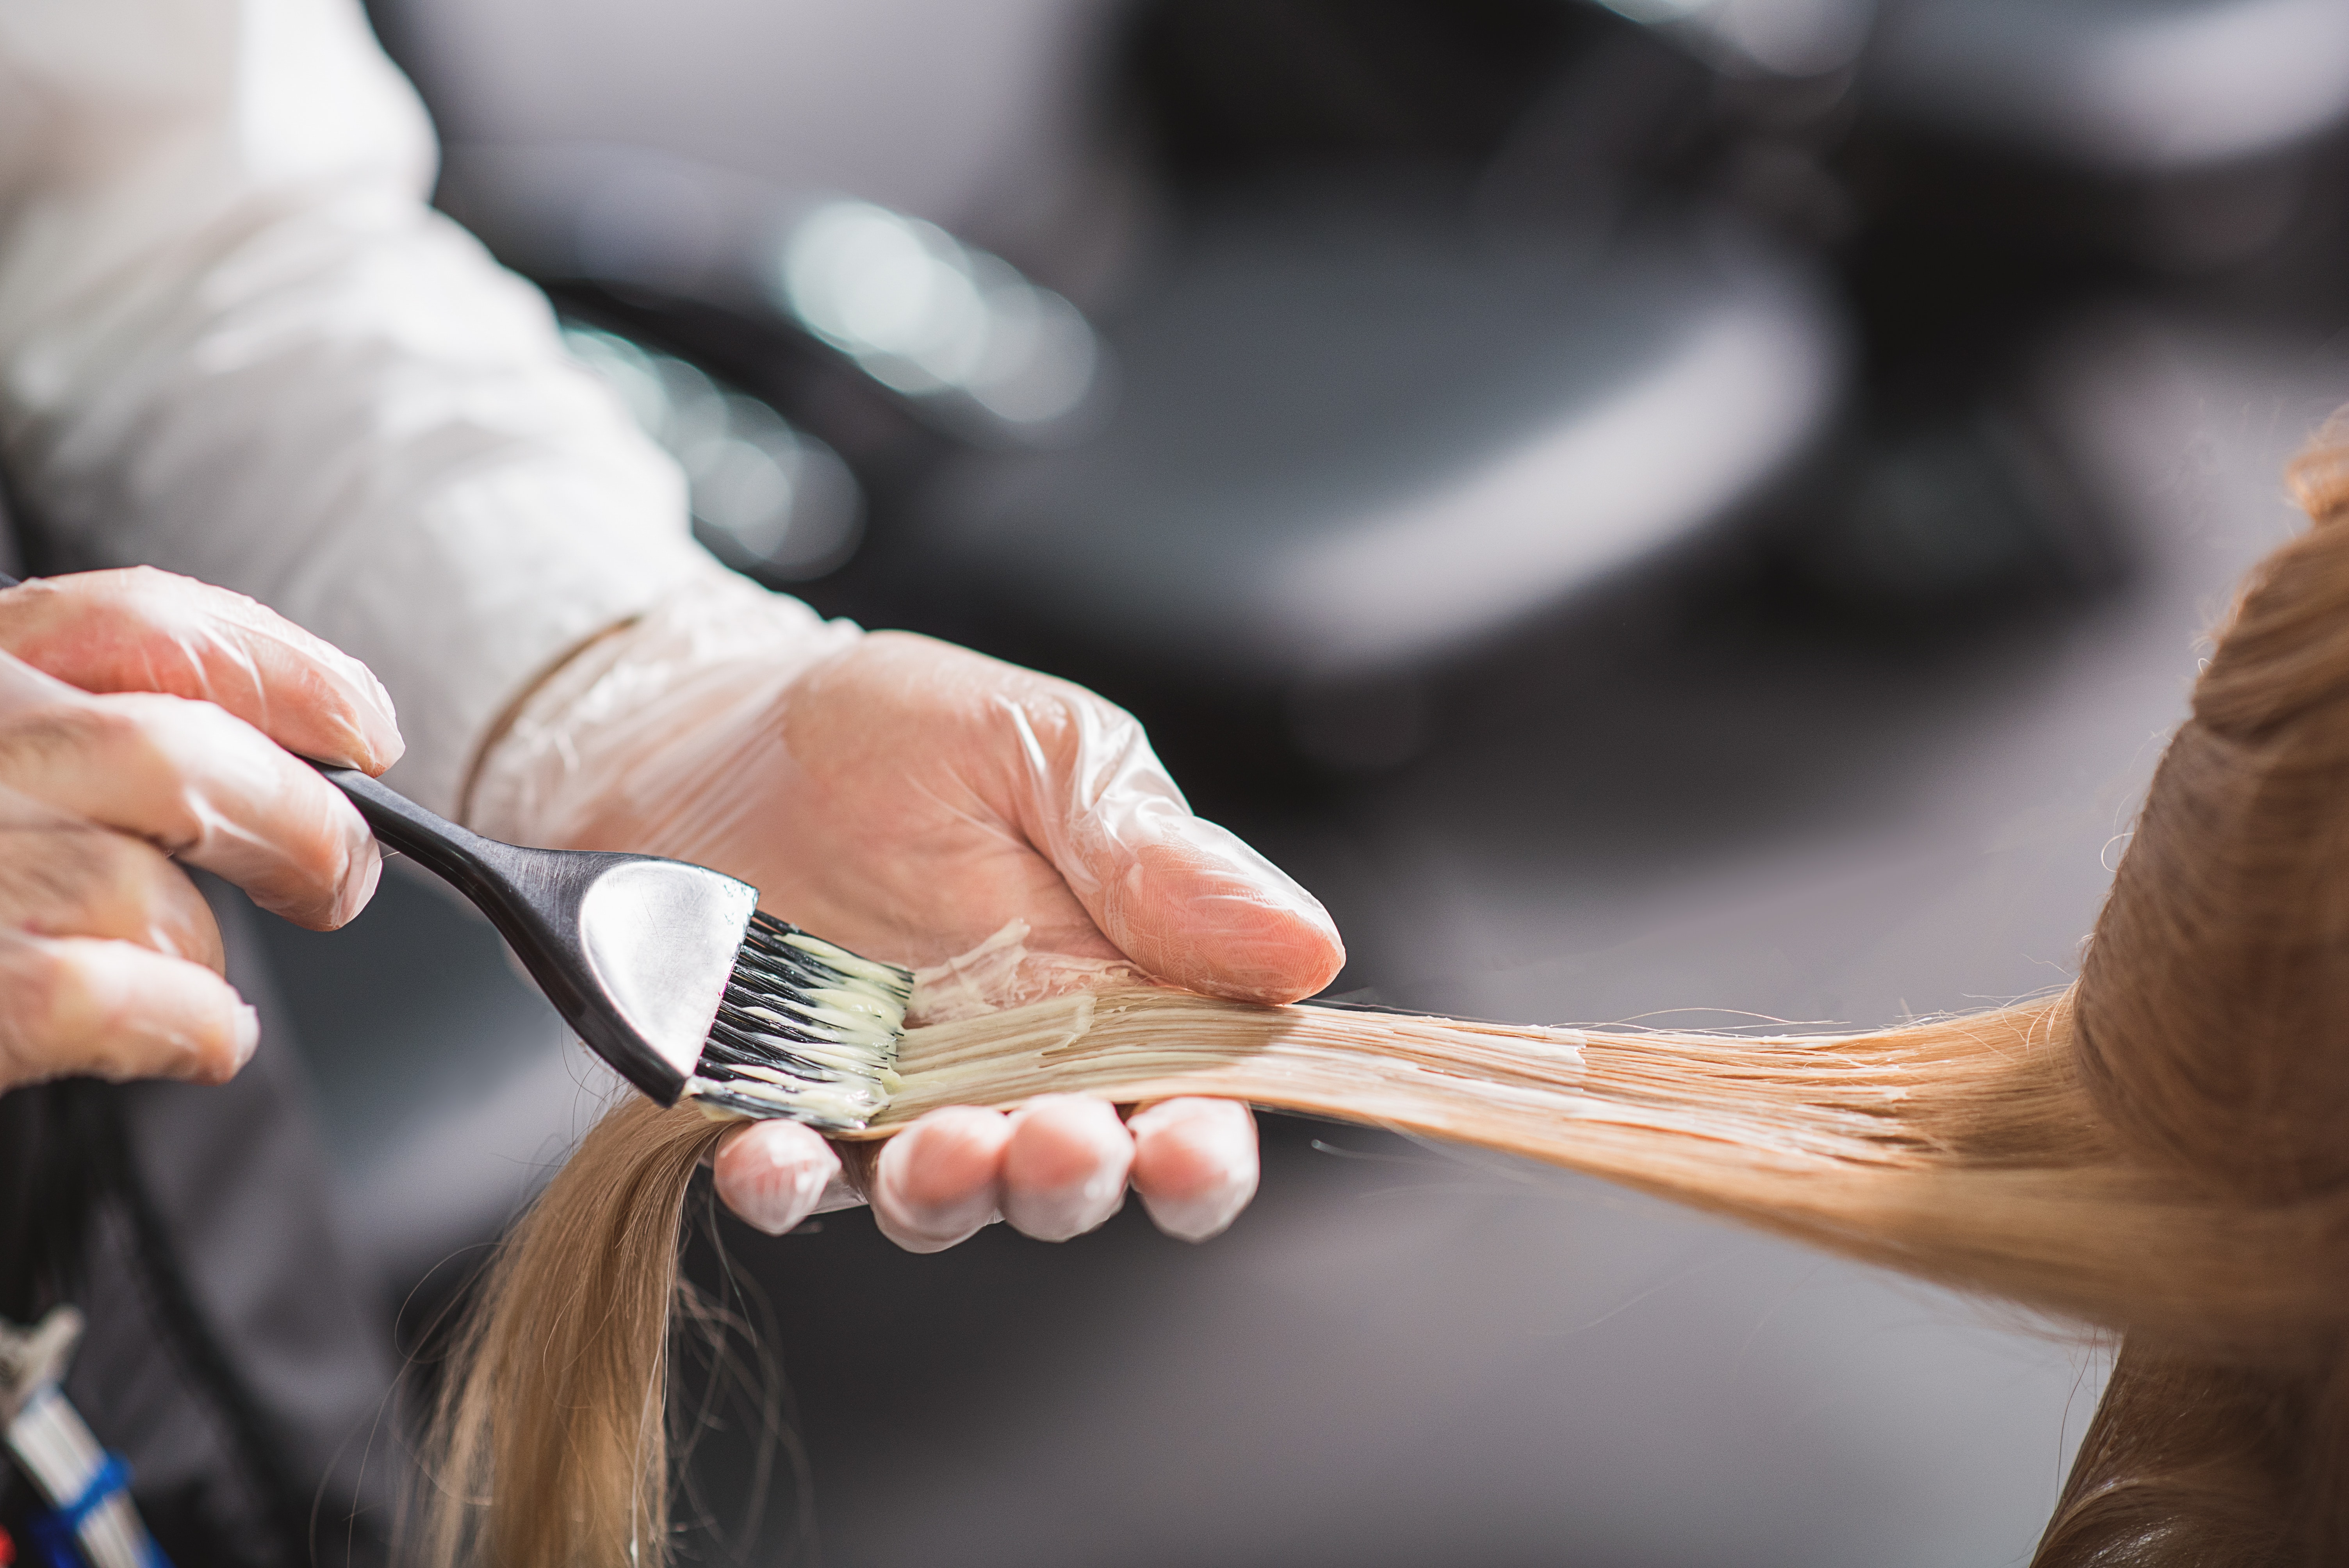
235	342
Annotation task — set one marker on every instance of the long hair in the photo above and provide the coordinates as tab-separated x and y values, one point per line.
2162	1149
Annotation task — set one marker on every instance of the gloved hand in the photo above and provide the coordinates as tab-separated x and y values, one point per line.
908	798
143	719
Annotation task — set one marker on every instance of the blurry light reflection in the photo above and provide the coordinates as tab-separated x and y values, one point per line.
767	498
924	316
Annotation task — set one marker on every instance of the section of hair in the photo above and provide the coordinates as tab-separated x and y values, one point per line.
1964	1149
2159	1151
2185	1463
2213	1012
550	1446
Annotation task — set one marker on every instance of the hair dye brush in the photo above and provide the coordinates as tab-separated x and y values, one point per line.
670	971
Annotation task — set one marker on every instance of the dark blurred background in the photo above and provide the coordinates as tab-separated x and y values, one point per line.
1684	510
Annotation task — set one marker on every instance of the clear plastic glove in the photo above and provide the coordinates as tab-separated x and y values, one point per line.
910	799
143	719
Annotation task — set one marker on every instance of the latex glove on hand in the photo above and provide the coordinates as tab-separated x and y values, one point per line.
145	718
908	799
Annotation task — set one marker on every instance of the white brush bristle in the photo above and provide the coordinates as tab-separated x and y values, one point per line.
808	1030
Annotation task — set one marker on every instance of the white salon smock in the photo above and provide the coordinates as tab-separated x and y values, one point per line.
235	342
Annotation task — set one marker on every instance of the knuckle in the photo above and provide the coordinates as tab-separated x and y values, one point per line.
121	729
144	579
49	867
158	907
52	1001
75	880
39	733
156	744
74	1007
136	729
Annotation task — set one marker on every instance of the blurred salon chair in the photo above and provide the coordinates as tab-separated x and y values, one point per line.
2176	133
1342	429
2017	166
1335	438
1355	437
1768	40
1453	329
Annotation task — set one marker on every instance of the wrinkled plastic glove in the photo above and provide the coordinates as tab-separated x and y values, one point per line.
908	799
144	718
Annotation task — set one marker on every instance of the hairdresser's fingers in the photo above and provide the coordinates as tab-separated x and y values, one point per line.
774	1173
939	1181
1194	1164
1064	1169
1197	907
204	787
73	880
1183	898
143	630
73	1007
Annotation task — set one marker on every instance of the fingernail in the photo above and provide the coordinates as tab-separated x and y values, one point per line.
778	1205
774	1179
363	873
1268	883
247	1035
932	1225
1228	1149
378	721
942	1222
1070	1211
1204	1215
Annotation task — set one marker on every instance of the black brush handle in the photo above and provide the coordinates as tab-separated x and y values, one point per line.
481	868
537	900
533	898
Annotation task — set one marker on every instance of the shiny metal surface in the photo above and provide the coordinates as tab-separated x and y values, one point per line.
661	936
634	951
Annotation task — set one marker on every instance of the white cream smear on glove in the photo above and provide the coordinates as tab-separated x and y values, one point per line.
1000	973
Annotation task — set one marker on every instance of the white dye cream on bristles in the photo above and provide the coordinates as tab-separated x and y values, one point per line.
1001	1024
807	1030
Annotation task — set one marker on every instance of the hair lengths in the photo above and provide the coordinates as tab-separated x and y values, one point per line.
550	1437
2157	1151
